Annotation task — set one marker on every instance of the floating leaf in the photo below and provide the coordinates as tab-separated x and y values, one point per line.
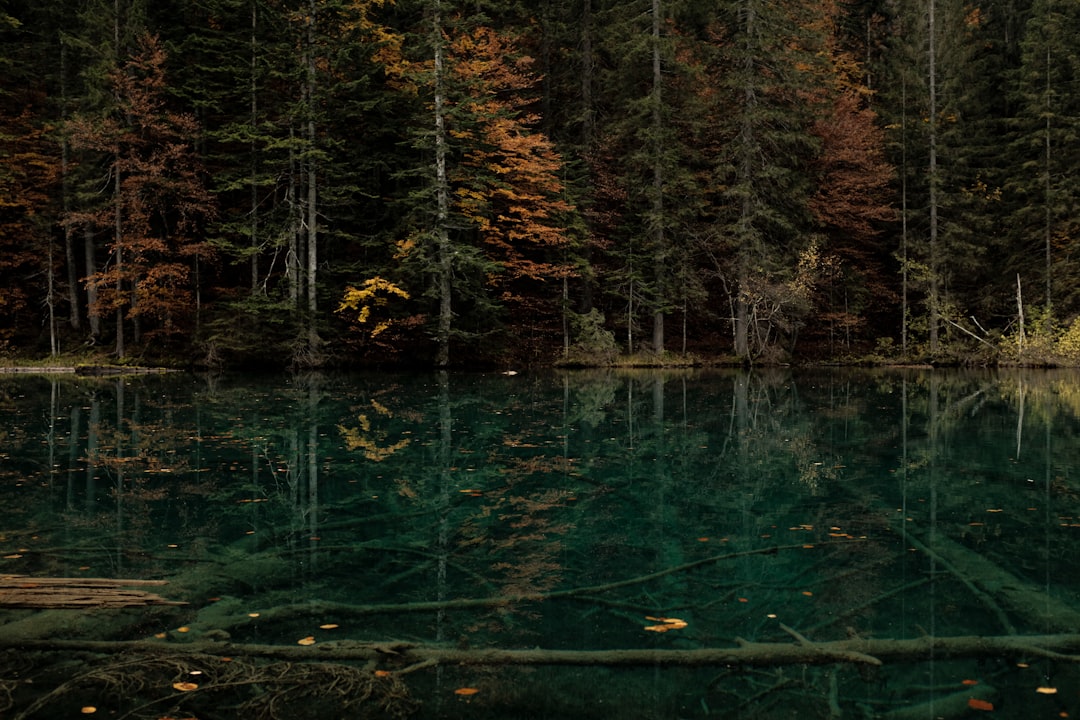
667	624
466	691
807	593
253	614
382	673
328	626
977	704
185	686
160	636
743	600
309	640
1046	690
183	629
969	682
703	539
88	710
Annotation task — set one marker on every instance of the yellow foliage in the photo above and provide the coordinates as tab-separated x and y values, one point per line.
1068	344
365	297
354	440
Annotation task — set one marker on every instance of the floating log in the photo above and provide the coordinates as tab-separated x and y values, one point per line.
21	591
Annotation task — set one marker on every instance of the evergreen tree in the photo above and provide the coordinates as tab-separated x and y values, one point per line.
766	64
1045	219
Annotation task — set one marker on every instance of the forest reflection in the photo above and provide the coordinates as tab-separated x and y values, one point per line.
642	509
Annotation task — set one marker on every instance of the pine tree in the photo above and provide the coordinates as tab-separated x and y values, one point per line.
767	62
1045	220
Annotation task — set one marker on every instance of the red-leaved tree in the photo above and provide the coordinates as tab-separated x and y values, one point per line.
157	202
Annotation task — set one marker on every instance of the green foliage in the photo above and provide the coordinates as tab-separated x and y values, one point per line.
591	343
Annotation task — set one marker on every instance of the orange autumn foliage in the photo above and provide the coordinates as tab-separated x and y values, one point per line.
508	185
157	204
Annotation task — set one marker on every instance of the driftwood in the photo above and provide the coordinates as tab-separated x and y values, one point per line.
406	657
20	591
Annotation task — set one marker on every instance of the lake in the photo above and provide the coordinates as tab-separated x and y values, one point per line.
602	544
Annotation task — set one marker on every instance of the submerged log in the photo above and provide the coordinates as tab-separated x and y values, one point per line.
999	589
20	591
406	657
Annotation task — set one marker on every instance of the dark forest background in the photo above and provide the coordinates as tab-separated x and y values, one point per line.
314	182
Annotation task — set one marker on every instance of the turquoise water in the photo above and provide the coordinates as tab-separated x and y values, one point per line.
554	517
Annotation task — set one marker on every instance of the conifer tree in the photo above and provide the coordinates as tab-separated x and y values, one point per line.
1045	220
767	58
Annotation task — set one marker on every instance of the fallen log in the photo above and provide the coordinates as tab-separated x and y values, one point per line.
995	586
20	591
405	656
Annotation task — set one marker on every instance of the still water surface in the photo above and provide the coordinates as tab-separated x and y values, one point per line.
325	532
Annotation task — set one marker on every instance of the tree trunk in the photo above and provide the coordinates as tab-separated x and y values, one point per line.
933	172
312	192
659	258
253	90
118	238
89	256
1047	230
444	266
746	169
75	313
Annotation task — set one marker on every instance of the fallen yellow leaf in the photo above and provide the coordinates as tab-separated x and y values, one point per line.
309	640
89	709
328	626
466	691
185	686
1046	690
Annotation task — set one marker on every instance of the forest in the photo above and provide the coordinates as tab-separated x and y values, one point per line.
307	183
